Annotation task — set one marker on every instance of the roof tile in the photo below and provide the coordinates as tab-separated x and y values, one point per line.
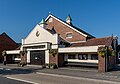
94	42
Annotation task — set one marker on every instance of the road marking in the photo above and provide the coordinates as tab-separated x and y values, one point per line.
21	80
79	78
1	68
7	69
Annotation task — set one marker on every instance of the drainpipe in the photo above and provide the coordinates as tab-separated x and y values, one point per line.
106	59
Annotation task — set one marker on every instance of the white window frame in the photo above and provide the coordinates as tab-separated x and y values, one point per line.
69	36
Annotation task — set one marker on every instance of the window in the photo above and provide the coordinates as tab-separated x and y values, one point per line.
94	57
69	35
83	57
71	56
119	55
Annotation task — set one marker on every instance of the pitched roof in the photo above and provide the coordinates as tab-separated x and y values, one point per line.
52	31
18	48
70	26
6	42
94	42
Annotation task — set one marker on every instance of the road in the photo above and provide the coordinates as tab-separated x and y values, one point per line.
36	75
44	78
4	80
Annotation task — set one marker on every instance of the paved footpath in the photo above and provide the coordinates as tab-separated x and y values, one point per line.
109	76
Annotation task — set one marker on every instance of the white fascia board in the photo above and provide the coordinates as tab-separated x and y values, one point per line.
32	45
78	49
66	25
78	42
13	51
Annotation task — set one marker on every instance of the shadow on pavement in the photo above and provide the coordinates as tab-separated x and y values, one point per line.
19	70
116	68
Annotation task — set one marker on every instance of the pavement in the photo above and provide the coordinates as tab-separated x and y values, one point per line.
67	73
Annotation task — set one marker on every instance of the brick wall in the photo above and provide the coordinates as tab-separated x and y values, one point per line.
63	29
61	60
111	62
53	59
106	63
23	58
6	43
101	64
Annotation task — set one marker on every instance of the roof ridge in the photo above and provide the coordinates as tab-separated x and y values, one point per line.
8	37
72	26
103	37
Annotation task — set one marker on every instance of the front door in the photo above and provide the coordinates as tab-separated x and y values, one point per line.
37	57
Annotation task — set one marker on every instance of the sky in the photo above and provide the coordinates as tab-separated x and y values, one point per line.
100	18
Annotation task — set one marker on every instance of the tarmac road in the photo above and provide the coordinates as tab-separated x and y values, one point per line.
37	75
4	80
45	78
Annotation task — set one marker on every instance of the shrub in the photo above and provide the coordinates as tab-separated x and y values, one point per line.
52	66
102	51
22	64
53	52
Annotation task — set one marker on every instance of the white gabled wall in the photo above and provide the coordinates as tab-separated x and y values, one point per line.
47	57
28	57
44	36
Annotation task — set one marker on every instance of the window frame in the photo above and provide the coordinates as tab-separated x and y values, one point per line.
69	35
82	56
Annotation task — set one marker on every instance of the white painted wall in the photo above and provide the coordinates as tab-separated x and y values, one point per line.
47	57
84	61
28	56
44	36
13	51
78	49
54	46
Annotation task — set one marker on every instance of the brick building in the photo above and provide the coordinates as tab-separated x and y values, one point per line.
6	43
56	41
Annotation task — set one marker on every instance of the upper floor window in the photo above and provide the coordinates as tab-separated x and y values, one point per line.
69	35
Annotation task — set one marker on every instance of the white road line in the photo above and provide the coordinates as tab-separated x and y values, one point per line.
79	78
1	68
22	80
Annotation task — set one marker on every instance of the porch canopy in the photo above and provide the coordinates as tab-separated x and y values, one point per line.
89	53
12	52
85	49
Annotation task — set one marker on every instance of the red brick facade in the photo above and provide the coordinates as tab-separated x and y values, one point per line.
6	43
63	30
101	64
106	62
53	59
